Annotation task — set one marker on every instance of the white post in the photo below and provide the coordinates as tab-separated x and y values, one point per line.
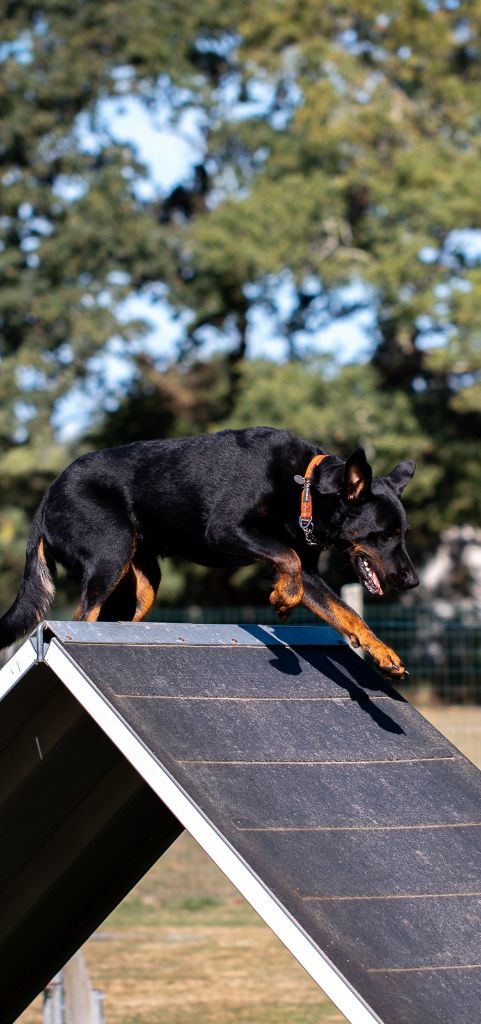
70	998
353	595
81	1004
53	1001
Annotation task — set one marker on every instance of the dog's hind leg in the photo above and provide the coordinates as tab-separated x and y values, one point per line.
146	572
104	569
135	593
121	604
98	589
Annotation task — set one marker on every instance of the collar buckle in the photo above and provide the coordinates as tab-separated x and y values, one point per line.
308	529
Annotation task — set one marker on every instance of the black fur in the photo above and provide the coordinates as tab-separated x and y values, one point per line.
225	499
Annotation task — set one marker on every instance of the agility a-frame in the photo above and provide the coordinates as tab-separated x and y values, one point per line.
349	823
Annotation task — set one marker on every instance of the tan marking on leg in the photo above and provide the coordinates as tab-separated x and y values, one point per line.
288	591
346	621
145	593
93	614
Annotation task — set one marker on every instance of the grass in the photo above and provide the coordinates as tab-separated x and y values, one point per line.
185	948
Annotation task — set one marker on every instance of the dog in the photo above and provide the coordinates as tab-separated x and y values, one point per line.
222	499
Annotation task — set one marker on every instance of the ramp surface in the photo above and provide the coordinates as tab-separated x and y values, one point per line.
350	823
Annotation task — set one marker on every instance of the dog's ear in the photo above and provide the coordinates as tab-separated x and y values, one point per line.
351	478
401	475
357	477
328	476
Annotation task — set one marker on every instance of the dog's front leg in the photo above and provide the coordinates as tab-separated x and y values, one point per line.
251	545
288	590
323	602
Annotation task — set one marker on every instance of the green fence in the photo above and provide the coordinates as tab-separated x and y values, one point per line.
440	643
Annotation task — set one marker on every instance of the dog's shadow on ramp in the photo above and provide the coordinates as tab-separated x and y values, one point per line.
287	661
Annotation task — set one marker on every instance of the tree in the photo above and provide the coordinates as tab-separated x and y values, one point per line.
76	238
345	151
339	174
76	235
343	160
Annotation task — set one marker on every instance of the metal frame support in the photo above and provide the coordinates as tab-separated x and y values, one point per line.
40	642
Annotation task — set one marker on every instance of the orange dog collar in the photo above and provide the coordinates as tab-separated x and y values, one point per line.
305	518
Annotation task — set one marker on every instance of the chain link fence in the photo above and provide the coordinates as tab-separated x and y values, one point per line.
440	643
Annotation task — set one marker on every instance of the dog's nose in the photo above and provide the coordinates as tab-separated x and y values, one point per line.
405	578
411	579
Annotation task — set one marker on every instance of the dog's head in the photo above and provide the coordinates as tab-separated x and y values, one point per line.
368	520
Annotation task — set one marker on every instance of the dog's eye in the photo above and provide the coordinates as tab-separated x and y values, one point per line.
390	536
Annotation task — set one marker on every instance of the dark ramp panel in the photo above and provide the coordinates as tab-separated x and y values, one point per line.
360	818
78	828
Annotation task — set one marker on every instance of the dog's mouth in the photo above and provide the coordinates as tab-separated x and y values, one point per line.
368	576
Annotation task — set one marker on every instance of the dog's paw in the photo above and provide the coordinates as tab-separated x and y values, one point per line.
283	613
282	608
284	601
387	661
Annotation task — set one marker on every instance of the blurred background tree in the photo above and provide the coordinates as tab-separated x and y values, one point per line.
336	182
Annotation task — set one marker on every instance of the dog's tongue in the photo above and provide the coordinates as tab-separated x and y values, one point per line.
376	583
373	582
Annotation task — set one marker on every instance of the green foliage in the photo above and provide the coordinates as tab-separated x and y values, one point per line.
361	154
75	240
25	473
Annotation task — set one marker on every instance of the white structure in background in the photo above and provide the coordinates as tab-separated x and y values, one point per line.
454	572
353	595
70	998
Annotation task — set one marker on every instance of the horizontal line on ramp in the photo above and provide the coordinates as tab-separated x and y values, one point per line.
431	967
357	828
392	896
388	760
259	700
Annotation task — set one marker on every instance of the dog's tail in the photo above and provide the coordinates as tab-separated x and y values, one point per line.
37	588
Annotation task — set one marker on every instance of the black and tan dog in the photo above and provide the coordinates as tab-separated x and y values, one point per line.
225	499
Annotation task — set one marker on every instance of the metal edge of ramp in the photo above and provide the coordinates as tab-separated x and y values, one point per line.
190	633
20	663
296	940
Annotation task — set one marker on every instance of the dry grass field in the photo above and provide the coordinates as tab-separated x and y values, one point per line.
185	948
